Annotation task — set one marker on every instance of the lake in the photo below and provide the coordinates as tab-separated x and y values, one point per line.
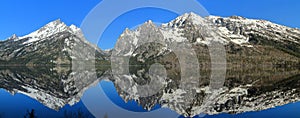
63	93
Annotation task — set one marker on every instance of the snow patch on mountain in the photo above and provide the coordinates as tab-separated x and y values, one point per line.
49	29
238	29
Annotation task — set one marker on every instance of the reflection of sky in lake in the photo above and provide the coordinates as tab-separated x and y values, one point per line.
131	105
14	106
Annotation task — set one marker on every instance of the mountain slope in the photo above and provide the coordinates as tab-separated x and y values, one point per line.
259	32
54	43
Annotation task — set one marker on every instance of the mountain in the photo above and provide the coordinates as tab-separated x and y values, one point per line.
262	69
244	31
62	43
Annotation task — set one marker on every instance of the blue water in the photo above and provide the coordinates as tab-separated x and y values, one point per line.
130	105
287	111
16	106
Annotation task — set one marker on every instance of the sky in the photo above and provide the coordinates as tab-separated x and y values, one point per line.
22	17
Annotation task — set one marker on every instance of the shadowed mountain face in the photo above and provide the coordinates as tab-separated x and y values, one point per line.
55	65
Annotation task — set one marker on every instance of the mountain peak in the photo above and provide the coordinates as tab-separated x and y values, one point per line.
55	23
237	17
150	23
147	25
13	37
52	28
191	14
187	18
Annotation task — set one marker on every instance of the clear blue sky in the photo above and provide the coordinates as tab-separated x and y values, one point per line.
24	16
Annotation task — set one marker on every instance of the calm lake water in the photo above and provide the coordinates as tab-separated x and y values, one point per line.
17	105
47	93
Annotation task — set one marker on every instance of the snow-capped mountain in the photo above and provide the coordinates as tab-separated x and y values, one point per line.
49	30
250	44
237	29
236	26
54	43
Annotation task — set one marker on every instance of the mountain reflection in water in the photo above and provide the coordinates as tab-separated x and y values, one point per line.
56	92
